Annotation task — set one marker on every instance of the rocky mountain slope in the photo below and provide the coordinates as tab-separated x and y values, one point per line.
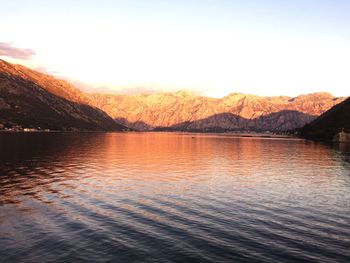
29	99
330	123
189	112
32	99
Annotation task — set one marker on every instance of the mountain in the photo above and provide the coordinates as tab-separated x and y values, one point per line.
29	99
330	123
186	111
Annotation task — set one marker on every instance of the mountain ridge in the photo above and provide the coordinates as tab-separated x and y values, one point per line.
166	110
182	110
36	101
330	123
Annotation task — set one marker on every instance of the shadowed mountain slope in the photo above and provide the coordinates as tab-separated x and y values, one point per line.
277	121
30	99
330	123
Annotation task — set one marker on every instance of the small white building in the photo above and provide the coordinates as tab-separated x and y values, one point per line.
342	137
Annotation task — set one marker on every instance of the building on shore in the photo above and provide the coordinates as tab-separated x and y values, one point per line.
342	137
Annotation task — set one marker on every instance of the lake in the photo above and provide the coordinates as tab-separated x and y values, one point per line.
171	197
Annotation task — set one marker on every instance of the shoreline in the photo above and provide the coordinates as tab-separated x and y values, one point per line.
229	134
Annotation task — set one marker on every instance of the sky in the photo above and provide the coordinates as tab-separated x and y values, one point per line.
213	47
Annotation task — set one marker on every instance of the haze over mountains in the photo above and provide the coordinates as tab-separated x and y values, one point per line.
32	99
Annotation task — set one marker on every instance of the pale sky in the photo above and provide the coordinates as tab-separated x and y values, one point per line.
263	47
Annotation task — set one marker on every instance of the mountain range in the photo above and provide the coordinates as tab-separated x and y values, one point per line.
32	99
185	111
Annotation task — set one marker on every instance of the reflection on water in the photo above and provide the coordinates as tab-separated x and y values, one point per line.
166	197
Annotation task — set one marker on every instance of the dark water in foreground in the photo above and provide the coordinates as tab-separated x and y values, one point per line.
172	198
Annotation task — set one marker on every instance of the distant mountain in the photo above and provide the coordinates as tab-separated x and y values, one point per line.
330	123
29	99
184	111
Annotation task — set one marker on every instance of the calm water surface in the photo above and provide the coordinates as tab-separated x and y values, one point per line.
158	197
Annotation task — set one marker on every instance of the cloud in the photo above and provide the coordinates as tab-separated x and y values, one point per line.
6	49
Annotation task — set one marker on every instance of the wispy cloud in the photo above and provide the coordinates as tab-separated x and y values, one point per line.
6	49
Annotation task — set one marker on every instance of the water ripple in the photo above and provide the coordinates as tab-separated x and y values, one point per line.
158	197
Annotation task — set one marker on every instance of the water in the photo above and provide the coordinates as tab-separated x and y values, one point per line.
166	197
